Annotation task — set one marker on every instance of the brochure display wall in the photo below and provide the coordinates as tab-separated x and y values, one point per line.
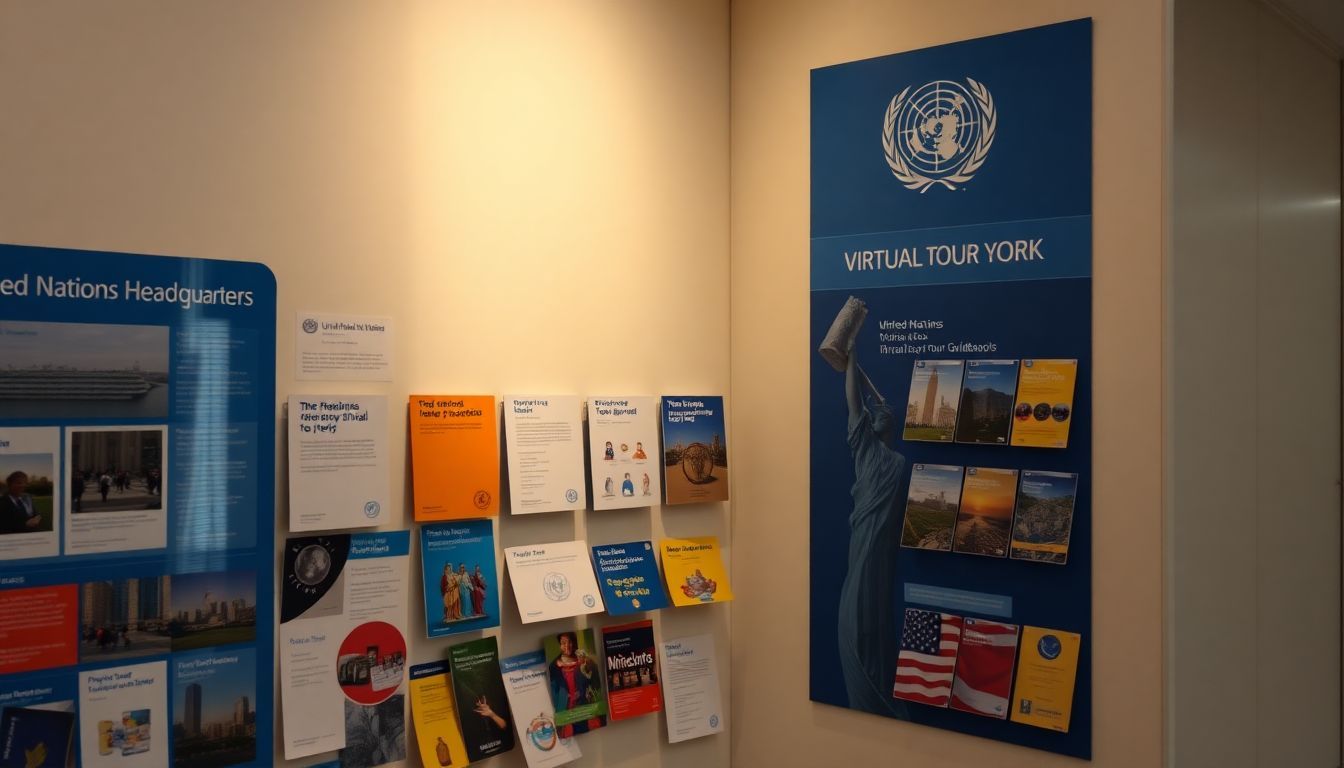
136	540
951	369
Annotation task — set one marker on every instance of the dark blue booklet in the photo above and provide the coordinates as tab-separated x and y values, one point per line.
627	574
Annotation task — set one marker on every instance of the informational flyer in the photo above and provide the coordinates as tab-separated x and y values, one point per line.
454	456
434	712
529	685
478	686
341	347
694	571
695	449
338	471
457	562
1047	671
628	577
137	455
343	645
544	435
553	581
691	687
623	451
950	326
633	682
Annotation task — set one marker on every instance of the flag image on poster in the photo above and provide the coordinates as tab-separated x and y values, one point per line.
986	412
984	679
928	657
935	391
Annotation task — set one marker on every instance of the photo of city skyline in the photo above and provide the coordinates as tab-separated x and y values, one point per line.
125	618
214	708
211	609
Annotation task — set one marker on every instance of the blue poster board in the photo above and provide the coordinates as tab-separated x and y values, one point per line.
137	544
951	266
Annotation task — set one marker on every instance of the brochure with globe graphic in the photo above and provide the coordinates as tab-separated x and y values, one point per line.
694	571
528	685
695	449
1047	670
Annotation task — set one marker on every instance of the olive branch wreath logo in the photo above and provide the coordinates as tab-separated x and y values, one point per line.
913	179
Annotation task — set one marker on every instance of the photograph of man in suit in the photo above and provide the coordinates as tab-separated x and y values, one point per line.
17	513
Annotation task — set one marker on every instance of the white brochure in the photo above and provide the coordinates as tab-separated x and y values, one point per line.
690	687
342	636
340	347
544	435
553	581
123	716
338	472
528	685
623	451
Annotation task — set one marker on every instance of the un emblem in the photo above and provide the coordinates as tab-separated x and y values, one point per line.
939	134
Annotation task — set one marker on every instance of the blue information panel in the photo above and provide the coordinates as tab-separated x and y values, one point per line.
951	413
137	520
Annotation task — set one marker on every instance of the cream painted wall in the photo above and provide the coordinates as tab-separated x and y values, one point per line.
774	44
460	166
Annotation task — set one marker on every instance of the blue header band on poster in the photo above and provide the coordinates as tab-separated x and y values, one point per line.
1042	249
421	671
389	544
960	600
522	661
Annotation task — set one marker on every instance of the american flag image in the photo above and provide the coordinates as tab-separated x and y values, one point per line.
928	656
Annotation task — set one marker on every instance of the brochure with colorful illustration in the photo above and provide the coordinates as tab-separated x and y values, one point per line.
1047	669
987	392
123	716
482	703
437	733
338	471
935	391
694	571
553	581
634	686
574	668
528	685
983	683
454	456
931	507
985	520
695	449
623	451
628	577
1044	519
342	643
544	435
1044	407
691	674
461	584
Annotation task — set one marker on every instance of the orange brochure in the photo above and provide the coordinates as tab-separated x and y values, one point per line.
454	456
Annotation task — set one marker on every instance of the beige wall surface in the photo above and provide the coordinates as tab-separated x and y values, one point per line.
774	45
535	192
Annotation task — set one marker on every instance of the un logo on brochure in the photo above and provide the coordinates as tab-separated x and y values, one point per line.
309	325
1049	647
371	509
939	134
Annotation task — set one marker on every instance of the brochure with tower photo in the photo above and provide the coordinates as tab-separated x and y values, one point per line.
1044	517
986	516
931	508
935	390
987	393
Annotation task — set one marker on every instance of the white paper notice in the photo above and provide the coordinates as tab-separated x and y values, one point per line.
342	347
623	451
545	447
342	636
30	504
552	581
338	475
123	716
118	478
690	687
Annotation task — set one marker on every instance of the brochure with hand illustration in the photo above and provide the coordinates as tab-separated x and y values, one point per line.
694	571
482	703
